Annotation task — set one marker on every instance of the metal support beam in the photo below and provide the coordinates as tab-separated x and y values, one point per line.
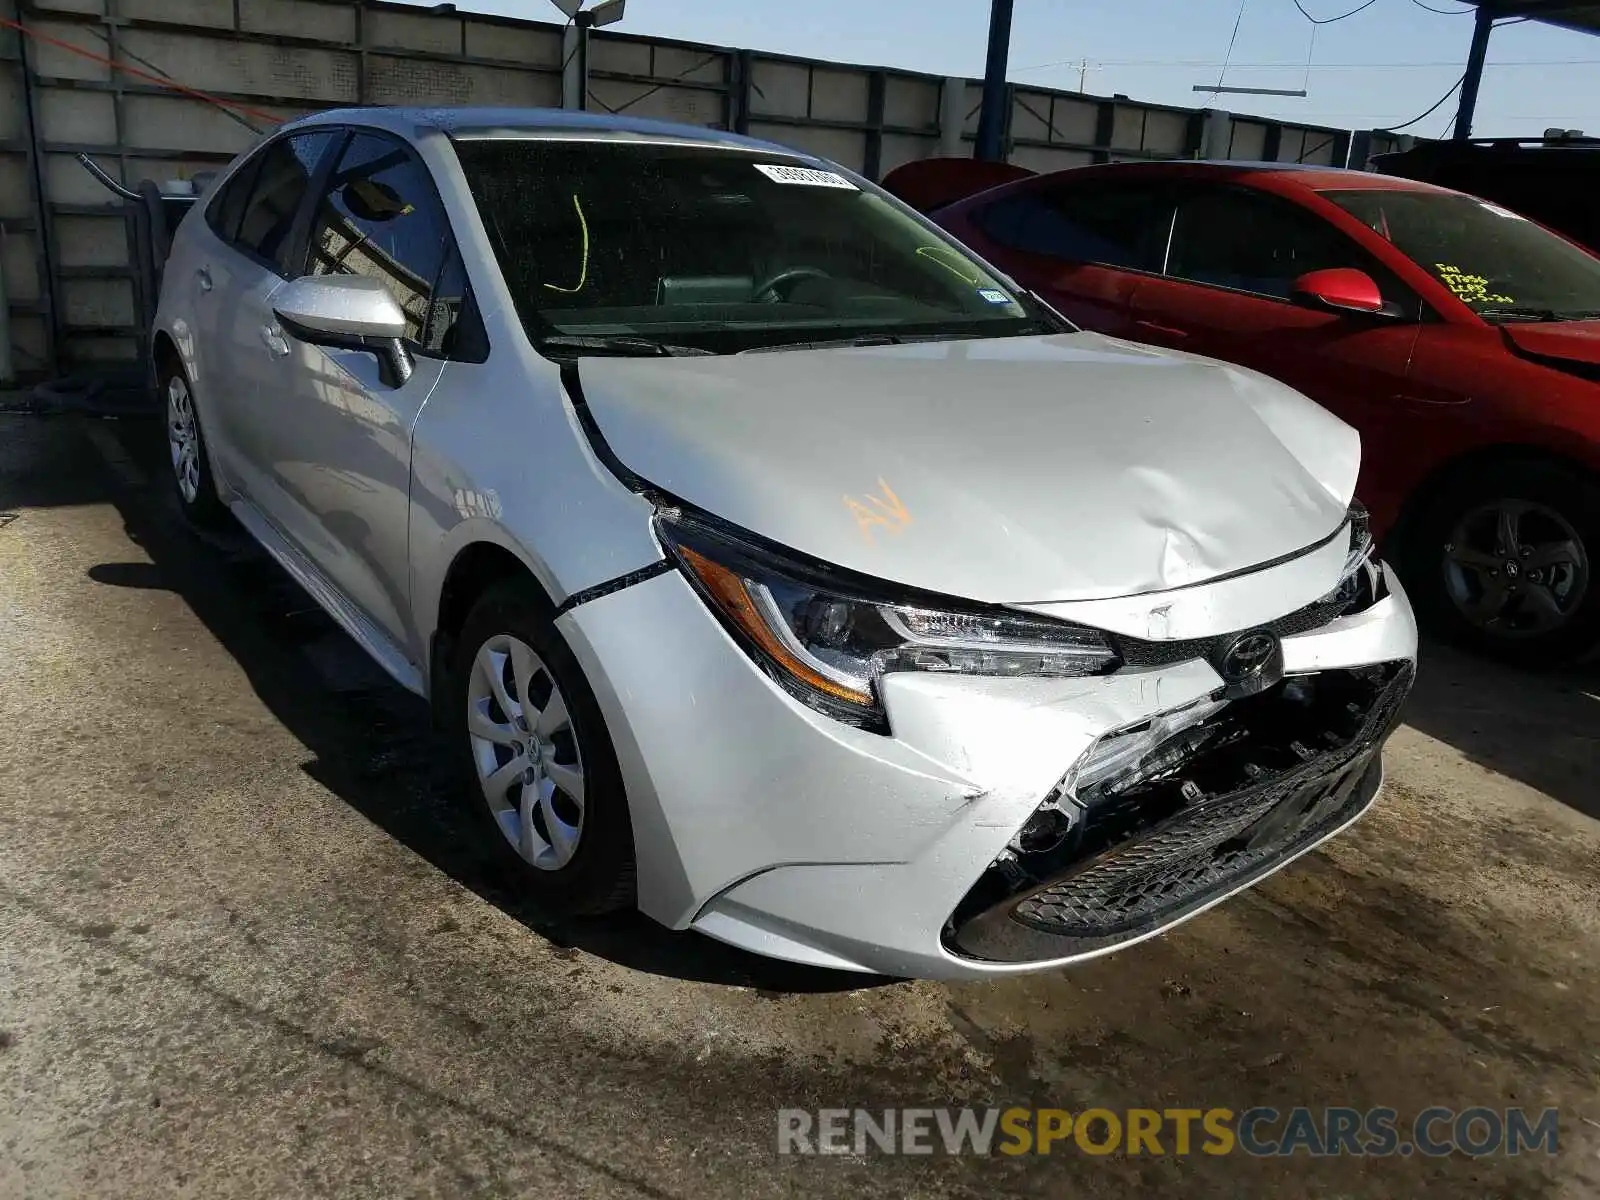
741	66
952	116
1482	23
992	119
872	159
51	298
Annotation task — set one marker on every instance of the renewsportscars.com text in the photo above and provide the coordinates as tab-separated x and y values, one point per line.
1261	1132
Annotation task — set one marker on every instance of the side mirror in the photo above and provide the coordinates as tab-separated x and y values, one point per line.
347	312
1342	289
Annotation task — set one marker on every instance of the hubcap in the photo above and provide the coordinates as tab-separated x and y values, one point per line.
526	752
1516	569
183	439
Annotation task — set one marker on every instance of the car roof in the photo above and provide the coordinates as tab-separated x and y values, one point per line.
483	122
1307	176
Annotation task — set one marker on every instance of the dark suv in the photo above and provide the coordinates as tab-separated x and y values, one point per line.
1553	180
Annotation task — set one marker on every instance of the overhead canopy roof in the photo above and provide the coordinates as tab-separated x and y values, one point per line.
1583	17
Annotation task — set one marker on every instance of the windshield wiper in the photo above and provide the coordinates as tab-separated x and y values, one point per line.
844	343
1519	312
618	344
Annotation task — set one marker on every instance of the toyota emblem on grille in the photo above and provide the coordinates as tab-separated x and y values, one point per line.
1248	656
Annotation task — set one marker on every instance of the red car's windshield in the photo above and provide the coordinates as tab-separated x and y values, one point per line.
1502	266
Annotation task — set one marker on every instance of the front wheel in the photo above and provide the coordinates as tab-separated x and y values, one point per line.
1502	561
536	758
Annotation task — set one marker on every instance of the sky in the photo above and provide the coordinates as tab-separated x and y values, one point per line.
1378	68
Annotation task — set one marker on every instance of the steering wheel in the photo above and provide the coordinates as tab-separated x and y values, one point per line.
770	291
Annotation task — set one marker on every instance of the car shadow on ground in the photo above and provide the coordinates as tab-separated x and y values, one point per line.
371	742
373	746
1540	728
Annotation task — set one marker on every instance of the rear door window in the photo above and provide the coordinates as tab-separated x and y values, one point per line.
1115	225
266	227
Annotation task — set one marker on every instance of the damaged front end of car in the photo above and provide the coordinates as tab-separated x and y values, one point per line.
1165	817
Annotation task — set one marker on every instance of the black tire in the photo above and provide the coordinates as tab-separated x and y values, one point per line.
599	878
1555	487
204	509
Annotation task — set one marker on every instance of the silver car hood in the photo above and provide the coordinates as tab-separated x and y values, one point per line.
1011	470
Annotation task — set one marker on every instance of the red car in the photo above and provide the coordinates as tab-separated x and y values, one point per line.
1460	339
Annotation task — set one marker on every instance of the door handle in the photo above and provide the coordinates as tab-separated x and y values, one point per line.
1157	327
204	276
275	341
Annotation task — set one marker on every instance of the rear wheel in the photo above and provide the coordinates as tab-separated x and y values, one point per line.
536	758
191	464
1503	561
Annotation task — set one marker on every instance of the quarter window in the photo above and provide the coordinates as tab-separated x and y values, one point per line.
266	227
226	209
379	216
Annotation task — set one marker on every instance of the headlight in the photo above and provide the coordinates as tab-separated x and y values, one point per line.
1361	582
827	636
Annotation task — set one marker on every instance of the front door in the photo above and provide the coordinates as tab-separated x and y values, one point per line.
342	451
1226	293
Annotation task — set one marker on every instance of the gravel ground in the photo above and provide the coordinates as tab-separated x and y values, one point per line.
249	948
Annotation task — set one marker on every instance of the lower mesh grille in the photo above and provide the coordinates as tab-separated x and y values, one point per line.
1207	848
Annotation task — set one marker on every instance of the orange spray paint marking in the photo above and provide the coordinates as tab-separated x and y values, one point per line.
885	511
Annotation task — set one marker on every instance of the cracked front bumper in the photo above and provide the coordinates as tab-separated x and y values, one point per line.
1148	854
765	824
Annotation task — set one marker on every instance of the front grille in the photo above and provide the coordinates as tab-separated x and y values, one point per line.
1359	592
1155	849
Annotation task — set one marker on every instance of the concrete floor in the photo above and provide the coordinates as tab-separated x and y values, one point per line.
248	947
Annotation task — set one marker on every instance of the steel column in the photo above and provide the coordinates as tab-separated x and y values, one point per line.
1482	23
992	119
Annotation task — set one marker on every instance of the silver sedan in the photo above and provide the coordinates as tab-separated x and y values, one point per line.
775	564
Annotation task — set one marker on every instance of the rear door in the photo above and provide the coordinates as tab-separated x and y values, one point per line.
201	258
1227	293
244	354
1082	245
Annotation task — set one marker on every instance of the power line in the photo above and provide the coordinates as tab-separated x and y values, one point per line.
1237	21
146	76
1431	109
1444	12
1192	63
1330	20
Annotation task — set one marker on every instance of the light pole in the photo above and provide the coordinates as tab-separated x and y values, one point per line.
575	46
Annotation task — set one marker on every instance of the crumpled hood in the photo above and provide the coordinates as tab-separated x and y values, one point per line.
1576	341
1010	470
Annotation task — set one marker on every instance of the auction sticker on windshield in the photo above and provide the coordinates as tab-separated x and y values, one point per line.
805	177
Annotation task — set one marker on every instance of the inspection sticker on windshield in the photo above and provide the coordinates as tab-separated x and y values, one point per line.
805	177
994	295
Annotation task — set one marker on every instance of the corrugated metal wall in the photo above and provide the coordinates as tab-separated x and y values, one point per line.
73	300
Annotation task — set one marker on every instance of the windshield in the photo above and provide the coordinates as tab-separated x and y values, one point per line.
1502	266
625	245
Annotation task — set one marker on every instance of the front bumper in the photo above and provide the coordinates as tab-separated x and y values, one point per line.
1147	855
767	825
